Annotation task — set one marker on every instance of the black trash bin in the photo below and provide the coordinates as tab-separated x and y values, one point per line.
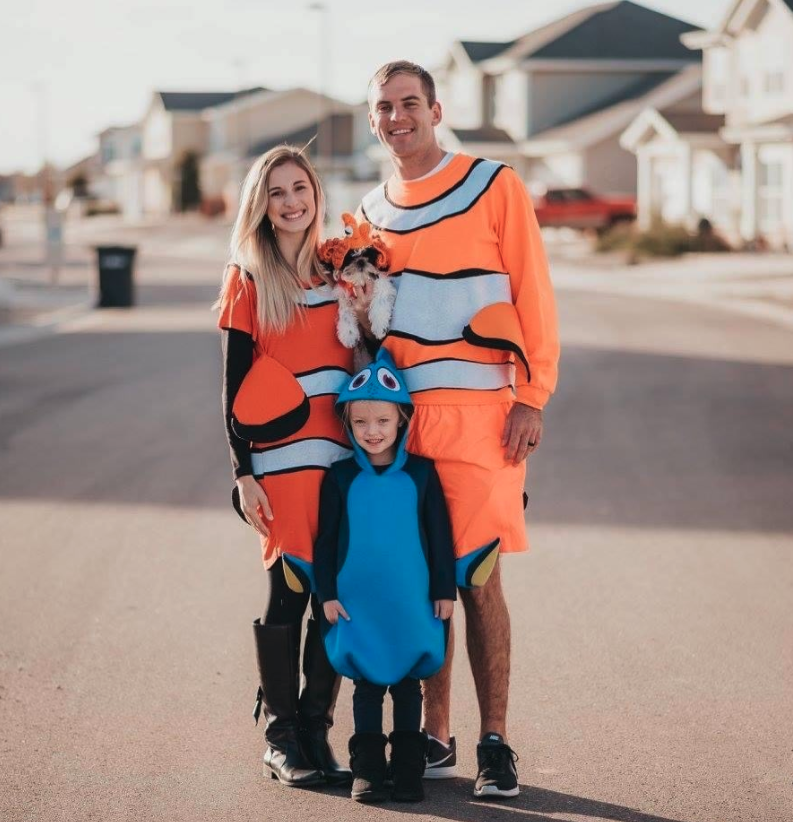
116	264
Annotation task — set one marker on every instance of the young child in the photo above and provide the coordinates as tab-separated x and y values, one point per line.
385	575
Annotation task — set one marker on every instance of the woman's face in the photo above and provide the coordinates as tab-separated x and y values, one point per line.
291	204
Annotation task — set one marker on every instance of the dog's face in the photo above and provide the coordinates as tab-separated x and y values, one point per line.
359	267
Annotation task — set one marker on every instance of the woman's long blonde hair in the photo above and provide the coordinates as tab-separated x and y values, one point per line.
254	248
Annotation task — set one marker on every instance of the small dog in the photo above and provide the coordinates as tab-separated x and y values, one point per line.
355	260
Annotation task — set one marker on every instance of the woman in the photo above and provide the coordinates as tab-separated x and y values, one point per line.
278	319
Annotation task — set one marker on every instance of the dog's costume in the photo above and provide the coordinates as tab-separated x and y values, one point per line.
358	252
281	422
385	552
473	328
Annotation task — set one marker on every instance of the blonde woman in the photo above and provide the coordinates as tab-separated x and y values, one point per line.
277	320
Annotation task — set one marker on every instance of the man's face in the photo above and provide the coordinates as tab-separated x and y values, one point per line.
401	117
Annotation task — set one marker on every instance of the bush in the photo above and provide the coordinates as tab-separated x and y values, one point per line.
617	238
661	240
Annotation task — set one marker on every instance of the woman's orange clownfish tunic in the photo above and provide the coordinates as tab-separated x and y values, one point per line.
289	468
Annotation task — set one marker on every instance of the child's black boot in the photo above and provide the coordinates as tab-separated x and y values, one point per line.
367	760
408	758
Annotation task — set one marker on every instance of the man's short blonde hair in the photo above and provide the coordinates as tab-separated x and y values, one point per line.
389	70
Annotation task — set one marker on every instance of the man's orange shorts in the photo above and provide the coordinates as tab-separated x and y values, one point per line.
483	491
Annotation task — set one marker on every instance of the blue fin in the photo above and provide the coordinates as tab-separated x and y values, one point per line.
299	574
474	569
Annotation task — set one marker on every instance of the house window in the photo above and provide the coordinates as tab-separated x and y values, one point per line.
770	194
774	82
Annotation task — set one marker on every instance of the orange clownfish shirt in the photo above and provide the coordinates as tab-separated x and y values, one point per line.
291	469
461	241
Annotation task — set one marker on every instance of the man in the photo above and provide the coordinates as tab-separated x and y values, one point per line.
474	332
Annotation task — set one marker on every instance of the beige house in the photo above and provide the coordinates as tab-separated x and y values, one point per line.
554	102
240	130
172	128
732	164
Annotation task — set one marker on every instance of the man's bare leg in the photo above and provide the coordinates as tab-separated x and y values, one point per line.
487	631
437	697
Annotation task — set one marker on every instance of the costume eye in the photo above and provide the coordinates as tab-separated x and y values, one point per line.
348	230
387	379
360	380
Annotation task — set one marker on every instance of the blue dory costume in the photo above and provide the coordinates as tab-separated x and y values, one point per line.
385	551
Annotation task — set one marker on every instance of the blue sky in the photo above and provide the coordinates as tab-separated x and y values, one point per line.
69	70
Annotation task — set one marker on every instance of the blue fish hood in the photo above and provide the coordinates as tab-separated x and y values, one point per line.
379	381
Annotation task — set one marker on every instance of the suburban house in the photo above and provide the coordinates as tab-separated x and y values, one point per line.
241	130
198	146
119	177
174	132
554	102
732	163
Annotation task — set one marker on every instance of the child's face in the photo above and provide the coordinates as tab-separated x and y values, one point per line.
375	426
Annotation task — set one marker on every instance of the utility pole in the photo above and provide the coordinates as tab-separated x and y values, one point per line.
53	219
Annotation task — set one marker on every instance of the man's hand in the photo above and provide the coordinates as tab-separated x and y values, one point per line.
254	504
522	432
333	610
443	608
362	299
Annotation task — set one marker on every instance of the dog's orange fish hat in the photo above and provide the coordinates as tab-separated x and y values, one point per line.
357	236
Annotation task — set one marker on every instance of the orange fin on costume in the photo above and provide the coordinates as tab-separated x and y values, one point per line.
497	326
270	404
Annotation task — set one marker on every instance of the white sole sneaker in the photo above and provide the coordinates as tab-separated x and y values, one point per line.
492	790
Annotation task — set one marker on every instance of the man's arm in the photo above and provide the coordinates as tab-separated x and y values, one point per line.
523	253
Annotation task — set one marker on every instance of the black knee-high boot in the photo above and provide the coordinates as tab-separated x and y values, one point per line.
277	654
317	702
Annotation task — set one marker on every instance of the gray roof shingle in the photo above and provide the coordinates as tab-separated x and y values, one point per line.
199	100
477	51
621	31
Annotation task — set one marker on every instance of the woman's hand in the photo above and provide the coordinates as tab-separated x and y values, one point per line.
361	301
254	504
444	608
333	610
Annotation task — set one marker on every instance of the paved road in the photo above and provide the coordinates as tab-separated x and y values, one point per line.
653	668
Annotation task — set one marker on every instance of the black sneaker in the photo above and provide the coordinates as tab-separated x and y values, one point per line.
441	759
497	775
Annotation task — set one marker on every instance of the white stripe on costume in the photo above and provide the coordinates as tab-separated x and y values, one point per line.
436	309
326	381
315	297
458	374
311	453
385	215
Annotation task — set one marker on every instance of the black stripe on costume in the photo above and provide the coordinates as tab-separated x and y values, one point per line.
458	184
274	430
462	274
321	369
292	470
405	336
470	336
440	219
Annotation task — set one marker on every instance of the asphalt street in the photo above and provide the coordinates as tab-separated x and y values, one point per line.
652	620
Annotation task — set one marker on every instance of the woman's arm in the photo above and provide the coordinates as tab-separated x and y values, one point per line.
237	361
326	548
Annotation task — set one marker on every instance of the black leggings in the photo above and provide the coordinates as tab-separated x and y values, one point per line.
367	705
284	606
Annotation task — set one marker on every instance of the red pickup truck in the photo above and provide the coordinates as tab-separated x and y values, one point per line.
579	208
